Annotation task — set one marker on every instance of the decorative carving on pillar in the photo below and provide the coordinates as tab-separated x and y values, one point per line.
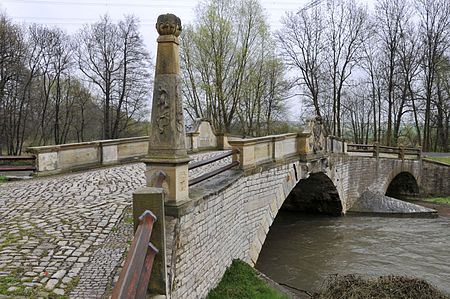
179	118
163	109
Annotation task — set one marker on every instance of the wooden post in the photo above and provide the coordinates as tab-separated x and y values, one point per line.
152	199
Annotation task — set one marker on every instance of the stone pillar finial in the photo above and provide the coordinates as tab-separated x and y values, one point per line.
168	24
167	146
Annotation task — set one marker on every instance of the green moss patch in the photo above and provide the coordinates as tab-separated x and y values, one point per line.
240	281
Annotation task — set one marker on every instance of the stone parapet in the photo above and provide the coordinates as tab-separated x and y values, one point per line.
74	156
262	150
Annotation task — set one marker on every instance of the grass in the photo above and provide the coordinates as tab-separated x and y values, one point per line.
3	179
13	280
438	199
240	281
72	284
445	160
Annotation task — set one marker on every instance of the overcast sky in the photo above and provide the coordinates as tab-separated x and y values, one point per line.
72	14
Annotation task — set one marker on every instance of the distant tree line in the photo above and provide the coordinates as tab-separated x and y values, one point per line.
57	88
381	76
372	76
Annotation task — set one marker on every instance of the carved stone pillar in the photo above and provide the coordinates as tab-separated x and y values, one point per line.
167	146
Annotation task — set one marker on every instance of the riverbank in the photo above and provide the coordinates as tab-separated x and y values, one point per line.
440	204
445	160
241	281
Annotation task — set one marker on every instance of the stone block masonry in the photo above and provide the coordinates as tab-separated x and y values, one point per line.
435	178
222	226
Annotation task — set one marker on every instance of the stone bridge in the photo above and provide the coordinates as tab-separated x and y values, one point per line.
67	234
229	216
80	220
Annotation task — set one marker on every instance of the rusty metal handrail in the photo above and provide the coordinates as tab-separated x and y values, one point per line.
212	159
18	158
136	272
208	175
215	172
8	167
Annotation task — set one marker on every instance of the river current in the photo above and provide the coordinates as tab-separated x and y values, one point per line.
302	250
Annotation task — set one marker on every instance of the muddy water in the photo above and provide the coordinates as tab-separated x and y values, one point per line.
301	250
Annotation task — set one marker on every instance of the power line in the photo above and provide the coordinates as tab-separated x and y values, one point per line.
94	3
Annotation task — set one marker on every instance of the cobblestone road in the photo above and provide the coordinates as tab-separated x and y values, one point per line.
66	235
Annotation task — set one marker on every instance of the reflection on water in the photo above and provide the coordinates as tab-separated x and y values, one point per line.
301	250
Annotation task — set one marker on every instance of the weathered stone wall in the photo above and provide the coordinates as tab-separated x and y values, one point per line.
223	226
73	156
355	175
435	178
202	136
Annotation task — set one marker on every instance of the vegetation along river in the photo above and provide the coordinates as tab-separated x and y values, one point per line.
302	250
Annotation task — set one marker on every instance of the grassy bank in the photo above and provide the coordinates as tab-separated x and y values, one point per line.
438	199
241	282
445	160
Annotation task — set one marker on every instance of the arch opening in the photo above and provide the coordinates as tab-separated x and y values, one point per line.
316	194
403	186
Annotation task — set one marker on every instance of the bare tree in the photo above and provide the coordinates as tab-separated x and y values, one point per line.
434	33
347	31
301	43
113	57
223	64
15	86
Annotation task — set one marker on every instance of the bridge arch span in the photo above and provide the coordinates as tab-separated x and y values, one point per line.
316	194
401	185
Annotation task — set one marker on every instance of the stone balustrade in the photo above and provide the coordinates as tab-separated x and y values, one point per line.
267	149
203	137
73	156
64	157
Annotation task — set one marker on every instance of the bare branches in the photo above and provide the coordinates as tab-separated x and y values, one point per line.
227	58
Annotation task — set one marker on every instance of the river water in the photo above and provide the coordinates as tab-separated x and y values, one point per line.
302	250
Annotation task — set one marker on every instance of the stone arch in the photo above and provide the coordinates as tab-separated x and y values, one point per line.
315	194
401	185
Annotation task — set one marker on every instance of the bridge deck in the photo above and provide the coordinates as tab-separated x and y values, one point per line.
67	234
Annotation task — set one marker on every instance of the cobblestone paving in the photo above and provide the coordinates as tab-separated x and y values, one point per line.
66	235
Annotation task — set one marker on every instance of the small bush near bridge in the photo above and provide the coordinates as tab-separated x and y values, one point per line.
241	282
383	287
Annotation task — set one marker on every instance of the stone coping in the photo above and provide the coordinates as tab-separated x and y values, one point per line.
96	143
270	138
